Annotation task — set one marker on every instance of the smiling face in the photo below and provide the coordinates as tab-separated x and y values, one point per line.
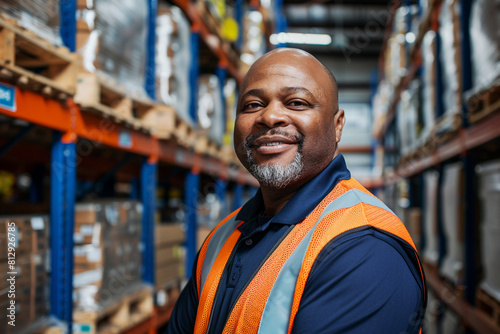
287	124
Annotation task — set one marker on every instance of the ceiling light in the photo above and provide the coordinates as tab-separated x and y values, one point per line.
298	38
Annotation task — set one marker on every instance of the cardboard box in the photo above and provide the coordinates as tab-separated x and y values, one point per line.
167	234
167	273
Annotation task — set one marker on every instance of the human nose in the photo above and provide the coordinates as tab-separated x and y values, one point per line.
273	116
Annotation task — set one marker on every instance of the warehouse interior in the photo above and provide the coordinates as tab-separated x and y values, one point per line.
117	159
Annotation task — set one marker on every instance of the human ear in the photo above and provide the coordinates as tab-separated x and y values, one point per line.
339	121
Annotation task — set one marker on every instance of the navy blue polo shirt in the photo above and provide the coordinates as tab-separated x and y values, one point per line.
364	282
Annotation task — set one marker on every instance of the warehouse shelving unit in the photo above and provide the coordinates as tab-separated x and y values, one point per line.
461	145
70	124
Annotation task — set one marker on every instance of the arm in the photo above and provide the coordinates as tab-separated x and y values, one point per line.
362	284
184	313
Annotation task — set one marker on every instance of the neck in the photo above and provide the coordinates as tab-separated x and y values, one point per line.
276	199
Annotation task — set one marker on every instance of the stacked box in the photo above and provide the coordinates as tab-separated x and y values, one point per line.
27	270
407	120
107	252
169	254
112	41
38	16
209	114
173	60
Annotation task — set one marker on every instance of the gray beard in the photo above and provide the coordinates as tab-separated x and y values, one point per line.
274	175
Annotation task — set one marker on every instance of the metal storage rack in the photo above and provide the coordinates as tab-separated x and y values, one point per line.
69	123
462	146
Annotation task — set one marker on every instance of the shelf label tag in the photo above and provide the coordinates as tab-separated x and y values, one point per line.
124	139
8	97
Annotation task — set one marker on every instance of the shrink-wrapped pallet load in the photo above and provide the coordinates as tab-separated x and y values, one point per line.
39	16
431	249
210	114
485	43
429	91
107	252
112	41
489	193
452	194
173	60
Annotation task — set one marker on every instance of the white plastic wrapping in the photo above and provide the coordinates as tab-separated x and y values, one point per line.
429	57
173	60
254	44
489	193
431	248
39	16
451	63
485	43
115	46
407	117
452	193
209	114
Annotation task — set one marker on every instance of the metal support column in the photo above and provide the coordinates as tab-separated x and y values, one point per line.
222	75
67	9
239	19
194	72
150	82
148	197
191	192
62	211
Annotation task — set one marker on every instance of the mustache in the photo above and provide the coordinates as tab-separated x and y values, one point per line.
275	131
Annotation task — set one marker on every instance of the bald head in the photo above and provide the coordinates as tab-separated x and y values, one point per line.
297	58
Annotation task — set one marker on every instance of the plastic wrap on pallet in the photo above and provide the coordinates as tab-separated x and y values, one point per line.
452	193
429	92
407	117
39	16
209	114
231	99
108	265
254	44
485	43
112	41
29	236
173	59
381	103
451	63
431	250
489	193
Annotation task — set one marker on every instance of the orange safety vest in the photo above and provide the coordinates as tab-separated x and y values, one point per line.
271	299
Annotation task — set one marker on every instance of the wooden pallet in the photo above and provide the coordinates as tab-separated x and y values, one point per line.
484	103
32	62
160	120
119	316
205	145
489	306
446	127
104	96
184	133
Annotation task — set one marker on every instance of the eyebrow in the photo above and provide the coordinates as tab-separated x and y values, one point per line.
260	92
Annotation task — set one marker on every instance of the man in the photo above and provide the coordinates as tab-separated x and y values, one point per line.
313	251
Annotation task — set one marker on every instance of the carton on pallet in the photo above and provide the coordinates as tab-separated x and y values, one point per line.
169	254
107	252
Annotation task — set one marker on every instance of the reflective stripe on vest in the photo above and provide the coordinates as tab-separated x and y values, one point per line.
276	315
276	312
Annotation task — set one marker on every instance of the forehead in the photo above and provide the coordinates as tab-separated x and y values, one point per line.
288	69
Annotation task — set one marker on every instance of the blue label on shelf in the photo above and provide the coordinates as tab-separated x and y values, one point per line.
8	97
124	139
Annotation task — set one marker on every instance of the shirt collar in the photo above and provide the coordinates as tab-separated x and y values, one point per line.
305	199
